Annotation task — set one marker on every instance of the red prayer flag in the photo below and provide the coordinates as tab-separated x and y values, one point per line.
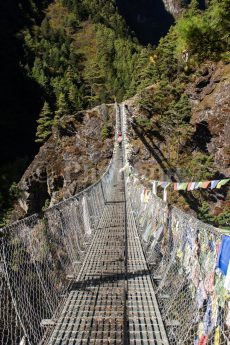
205	184
175	186
189	186
203	340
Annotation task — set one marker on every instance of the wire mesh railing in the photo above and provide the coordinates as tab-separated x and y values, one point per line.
183	254
38	257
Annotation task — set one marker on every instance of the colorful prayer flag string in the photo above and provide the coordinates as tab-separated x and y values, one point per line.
190	186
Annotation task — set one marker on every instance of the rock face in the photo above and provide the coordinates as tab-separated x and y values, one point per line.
209	95
210	98
153	156
173	6
73	158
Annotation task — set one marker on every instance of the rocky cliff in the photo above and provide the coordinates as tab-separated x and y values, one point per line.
209	95
73	158
204	151
79	149
173	6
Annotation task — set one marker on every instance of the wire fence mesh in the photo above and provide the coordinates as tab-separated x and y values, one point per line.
38	256
183	254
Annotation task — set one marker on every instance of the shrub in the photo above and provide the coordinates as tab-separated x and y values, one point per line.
106	132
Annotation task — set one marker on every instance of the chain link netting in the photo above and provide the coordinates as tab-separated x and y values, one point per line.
182	253
38	257
40	254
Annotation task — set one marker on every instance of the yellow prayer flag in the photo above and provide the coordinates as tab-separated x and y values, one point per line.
217	336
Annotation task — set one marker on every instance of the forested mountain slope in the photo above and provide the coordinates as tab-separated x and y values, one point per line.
73	56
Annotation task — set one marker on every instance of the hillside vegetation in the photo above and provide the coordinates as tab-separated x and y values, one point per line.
83	54
194	55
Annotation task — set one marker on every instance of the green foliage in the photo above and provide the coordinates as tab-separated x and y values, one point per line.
9	176
62	108
144	123
204	213
204	35
167	105
196	36
53	59
11	195
81	55
14	191
106	131
105	12
222	220
200	166
158	64
46	206
45	122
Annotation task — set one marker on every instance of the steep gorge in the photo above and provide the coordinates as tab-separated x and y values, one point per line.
149	19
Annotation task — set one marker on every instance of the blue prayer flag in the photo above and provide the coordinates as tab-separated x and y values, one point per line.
224	255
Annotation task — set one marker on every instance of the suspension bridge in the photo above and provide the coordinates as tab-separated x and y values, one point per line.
112	265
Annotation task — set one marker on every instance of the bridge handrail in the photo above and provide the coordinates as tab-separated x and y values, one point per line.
183	254
40	253
67	200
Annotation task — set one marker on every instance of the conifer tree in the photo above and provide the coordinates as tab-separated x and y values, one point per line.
62	108
45	122
193	8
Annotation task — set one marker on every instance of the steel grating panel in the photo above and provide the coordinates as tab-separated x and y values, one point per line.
112	301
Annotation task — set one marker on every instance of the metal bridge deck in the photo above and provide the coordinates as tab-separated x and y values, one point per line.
112	300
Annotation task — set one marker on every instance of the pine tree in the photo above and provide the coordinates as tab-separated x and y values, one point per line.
75	98
62	108
193	8
45	122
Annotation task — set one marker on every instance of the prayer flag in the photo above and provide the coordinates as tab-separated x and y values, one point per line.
196	185
164	184
189	186
193	186
203	340
205	184
175	186
222	183
224	255
217	336
214	183
227	278
182	186
200	184
168	184
147	195
154	183
142	195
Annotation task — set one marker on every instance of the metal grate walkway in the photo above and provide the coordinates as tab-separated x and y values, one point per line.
112	300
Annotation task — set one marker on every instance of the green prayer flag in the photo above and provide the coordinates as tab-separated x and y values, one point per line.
222	182
182	186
